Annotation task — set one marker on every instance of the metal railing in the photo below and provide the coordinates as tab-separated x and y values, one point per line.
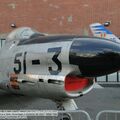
58	115
74	115
114	77
64	115
108	115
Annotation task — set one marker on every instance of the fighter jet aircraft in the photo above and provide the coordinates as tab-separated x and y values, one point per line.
56	67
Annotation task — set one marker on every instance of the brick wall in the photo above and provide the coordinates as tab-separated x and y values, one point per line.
59	16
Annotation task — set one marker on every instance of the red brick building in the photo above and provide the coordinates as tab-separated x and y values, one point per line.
59	16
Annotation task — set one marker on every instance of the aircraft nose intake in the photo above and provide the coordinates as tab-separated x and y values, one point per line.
95	57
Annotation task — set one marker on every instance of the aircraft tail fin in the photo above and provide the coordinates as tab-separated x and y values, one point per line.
98	30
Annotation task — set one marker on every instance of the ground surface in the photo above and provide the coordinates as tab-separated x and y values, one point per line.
93	102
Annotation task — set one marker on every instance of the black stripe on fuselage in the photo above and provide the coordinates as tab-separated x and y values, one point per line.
47	39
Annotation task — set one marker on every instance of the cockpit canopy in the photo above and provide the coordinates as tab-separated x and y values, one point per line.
23	33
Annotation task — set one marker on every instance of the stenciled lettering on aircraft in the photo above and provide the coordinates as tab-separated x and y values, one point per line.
17	61
21	65
56	51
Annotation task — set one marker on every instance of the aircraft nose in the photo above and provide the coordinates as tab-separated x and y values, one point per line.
95	56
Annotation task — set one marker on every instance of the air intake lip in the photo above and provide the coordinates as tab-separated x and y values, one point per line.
77	84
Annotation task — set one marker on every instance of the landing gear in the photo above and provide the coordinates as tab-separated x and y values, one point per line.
66	116
62	114
64	107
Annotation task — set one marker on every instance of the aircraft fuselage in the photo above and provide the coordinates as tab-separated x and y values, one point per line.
41	66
